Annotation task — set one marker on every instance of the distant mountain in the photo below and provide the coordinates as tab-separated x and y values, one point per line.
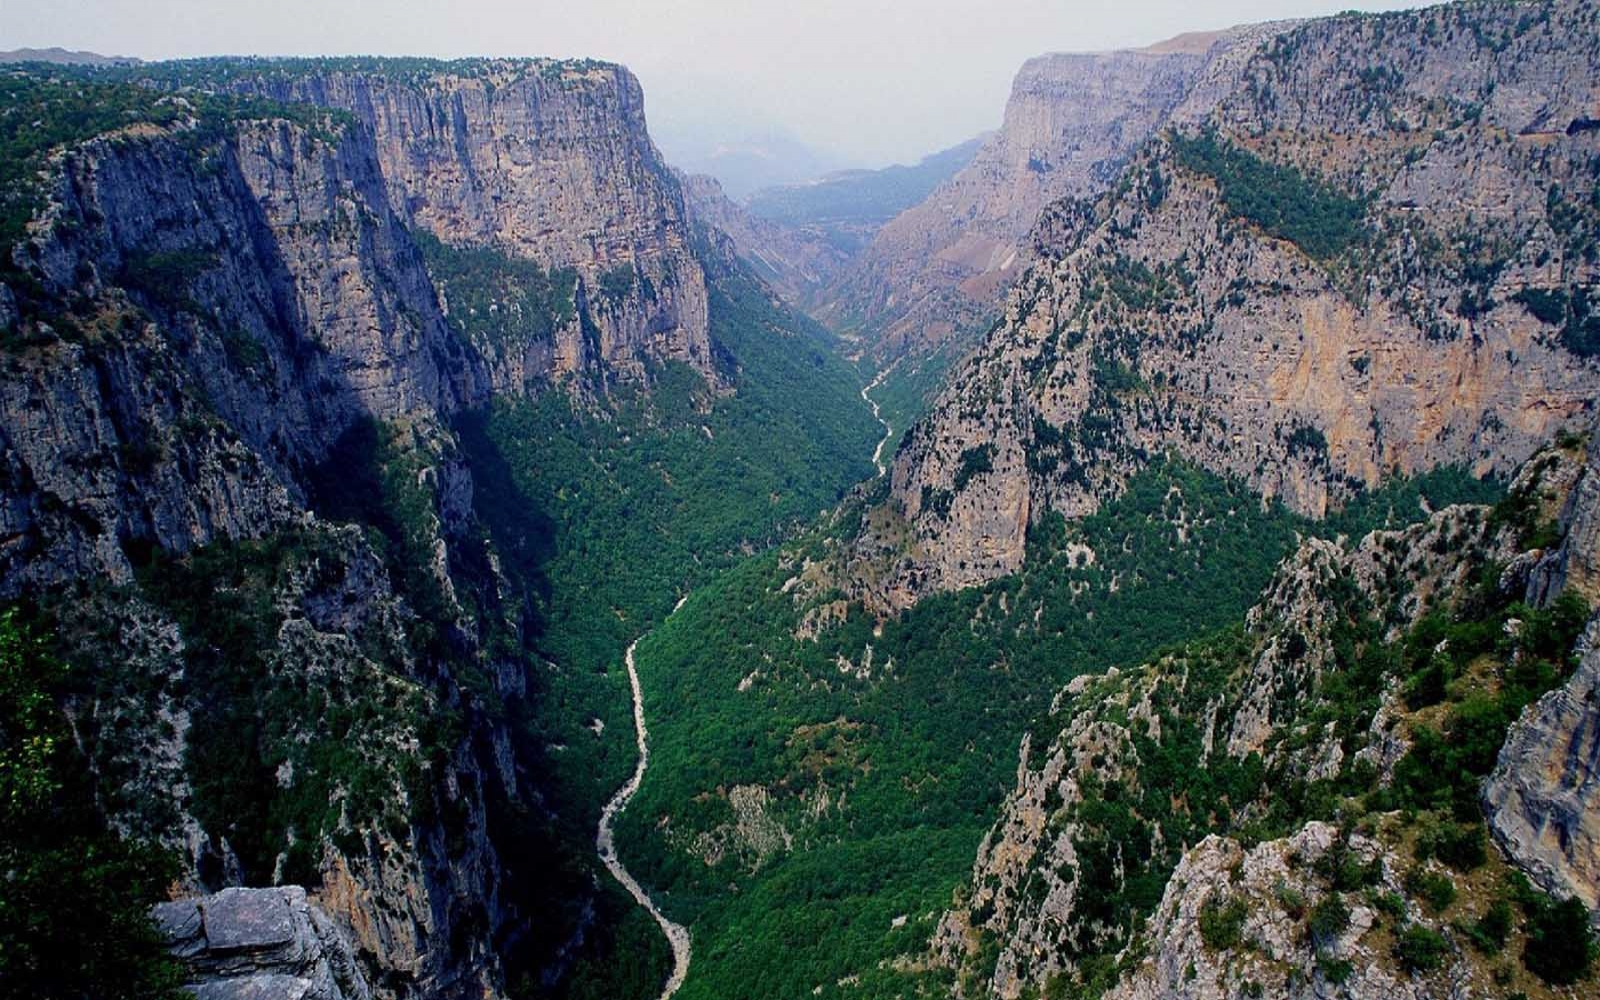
58	56
862	197
748	162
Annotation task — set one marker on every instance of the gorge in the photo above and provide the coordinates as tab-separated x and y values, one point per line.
1147	551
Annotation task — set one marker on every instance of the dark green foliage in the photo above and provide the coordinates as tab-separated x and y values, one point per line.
1420	949
1344	870
603	516
74	897
1577	313
1222	922
248	719
616	283
973	462
1307	440
1398	502
1462	846
1329	918
1284	202
498	300
1335	970
1436	889
166	278
1560	945
926	749
1389	903
1490	932
1547	305
1443	768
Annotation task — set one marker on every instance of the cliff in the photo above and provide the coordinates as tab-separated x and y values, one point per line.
220	342
1333	279
943	266
546	160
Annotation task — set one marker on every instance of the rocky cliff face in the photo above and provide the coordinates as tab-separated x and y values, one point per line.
220	340
212	279
1151	801
1071	122
1334	279
543	159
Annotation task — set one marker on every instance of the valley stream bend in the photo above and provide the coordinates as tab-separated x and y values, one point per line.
605	841
605	838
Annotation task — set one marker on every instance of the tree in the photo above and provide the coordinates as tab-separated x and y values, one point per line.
74	898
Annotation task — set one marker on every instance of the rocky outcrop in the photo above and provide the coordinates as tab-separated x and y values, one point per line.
207	314
544	159
1071	122
261	944
1275	958
1145	775
1543	800
1179	314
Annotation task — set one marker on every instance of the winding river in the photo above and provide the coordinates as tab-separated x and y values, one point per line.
605	838
605	842
888	432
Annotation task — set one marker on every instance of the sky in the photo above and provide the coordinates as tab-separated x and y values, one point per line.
864	82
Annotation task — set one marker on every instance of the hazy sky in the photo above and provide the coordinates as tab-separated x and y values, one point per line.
868	80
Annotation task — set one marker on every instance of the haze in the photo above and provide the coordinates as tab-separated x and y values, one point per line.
865	83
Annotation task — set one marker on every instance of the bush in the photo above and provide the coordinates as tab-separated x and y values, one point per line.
1221	924
1560	946
1391	903
1489	932
1420	949
1462	846
1433	888
1329	918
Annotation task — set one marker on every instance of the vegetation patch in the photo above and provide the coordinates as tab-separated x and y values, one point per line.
1307	211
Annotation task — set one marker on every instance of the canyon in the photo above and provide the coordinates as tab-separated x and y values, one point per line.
1160	561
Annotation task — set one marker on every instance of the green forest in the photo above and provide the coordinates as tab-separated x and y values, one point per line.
885	781
604	514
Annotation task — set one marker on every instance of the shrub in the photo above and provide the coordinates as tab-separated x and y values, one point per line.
1221	924
1335	970
1391	903
1433	888
1560	946
1489	932
1460	845
1329	918
1420	949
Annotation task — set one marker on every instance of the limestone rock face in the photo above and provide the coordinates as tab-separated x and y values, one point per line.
1543	800
1071	122
1166	318
1217	870
249	301
261	944
546	160
211	308
1036	900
